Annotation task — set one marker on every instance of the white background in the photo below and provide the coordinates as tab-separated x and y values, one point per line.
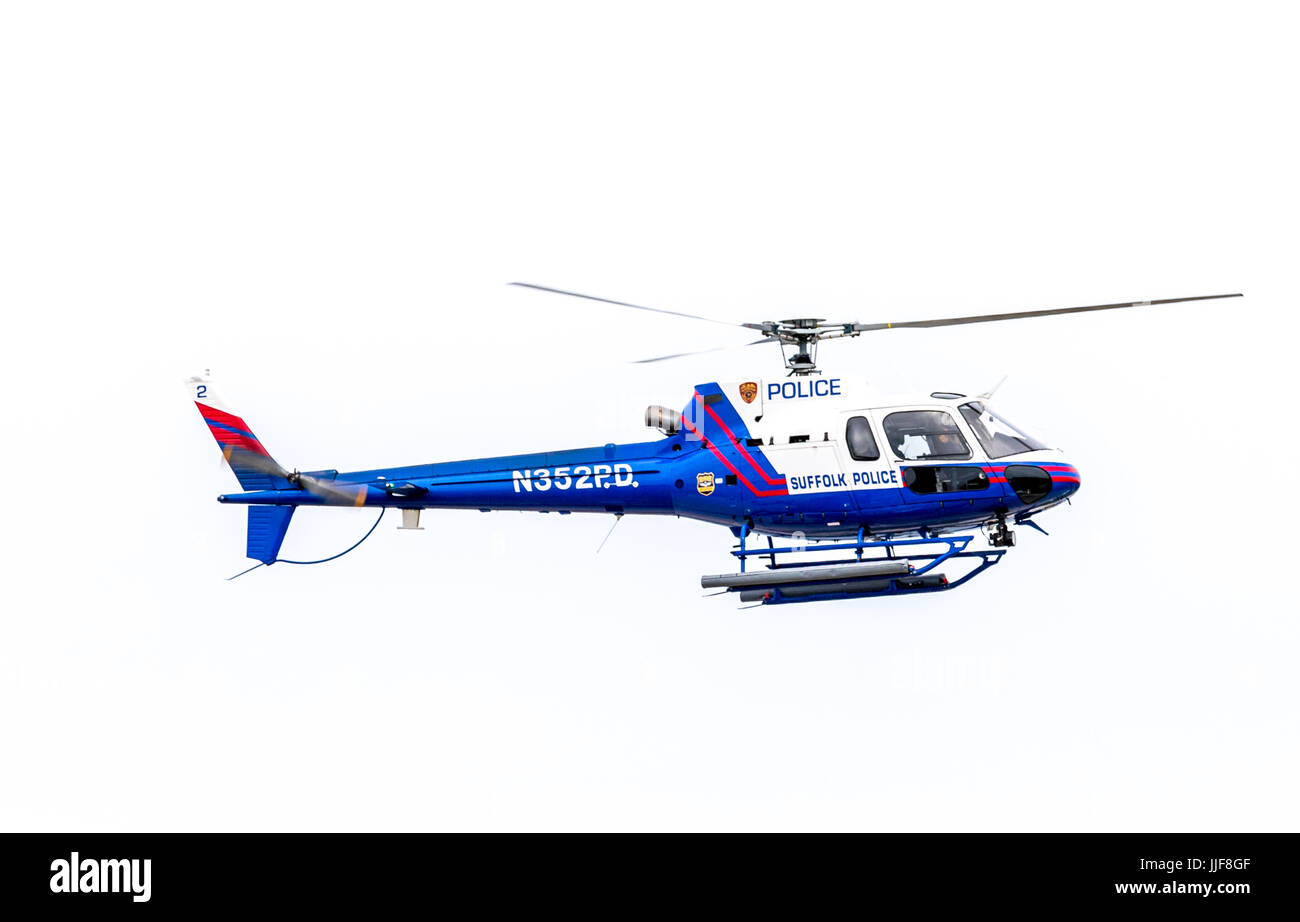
323	202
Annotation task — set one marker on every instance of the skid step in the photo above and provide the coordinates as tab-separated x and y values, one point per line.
825	573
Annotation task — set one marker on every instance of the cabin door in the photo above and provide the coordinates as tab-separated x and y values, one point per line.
873	479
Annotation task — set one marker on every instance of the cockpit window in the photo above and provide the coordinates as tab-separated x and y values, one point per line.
920	435
998	436
862	444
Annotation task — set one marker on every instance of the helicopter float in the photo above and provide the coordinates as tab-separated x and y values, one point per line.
879	496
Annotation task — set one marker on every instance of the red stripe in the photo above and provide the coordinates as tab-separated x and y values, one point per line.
739	476
220	416
232	440
1050	468
225	437
740	445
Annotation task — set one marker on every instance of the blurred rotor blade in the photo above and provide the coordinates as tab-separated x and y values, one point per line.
263	464
679	355
1018	315
655	310
335	494
350	494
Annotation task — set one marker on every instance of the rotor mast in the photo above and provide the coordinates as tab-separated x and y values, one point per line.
802	334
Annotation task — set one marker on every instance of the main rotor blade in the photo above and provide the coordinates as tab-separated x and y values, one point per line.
679	355
1018	315
639	307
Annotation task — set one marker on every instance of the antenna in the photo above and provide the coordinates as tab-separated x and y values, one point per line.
988	395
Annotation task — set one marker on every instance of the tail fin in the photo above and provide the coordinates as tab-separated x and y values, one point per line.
266	524
231	432
266	528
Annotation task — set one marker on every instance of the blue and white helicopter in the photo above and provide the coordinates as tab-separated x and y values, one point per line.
875	496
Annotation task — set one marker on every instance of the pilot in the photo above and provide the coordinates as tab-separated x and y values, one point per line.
946	444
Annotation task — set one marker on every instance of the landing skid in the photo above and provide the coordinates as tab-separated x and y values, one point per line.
884	572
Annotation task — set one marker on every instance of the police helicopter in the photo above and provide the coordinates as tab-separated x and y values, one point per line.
878	498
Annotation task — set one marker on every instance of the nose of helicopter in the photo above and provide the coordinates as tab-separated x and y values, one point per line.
1039	483
1065	479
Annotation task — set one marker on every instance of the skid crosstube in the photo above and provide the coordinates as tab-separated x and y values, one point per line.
914	570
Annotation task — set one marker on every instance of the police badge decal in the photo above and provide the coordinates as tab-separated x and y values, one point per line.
704	483
748	391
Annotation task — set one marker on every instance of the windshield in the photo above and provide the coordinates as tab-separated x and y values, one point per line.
998	436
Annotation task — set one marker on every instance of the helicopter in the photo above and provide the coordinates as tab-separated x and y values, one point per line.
878	497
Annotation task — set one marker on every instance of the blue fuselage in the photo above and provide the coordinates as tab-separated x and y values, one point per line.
695	476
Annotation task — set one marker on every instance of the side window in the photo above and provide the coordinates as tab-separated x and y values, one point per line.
924	435
862	444
945	479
